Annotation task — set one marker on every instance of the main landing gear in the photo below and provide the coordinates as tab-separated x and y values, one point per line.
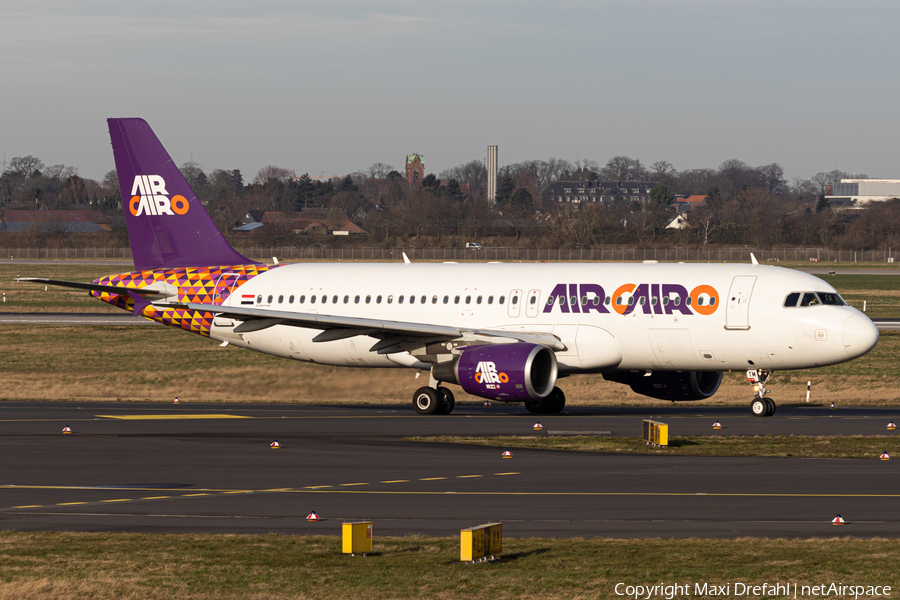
552	404
433	401
761	406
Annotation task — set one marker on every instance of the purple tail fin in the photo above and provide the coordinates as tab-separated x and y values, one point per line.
167	225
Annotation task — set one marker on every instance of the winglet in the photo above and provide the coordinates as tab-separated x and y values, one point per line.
753	259
406	260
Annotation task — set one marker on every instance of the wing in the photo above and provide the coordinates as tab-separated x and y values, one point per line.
395	336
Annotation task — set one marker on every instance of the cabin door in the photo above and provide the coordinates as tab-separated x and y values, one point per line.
737	304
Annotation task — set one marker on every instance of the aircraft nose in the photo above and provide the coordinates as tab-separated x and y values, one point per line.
859	335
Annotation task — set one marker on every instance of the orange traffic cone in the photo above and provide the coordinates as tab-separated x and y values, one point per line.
275	445
833	406
838	520
487	403
506	454
313	517
717	425
891	425
538	426
884	456
175	401
67	429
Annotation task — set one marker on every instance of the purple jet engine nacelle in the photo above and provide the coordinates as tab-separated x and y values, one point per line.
508	372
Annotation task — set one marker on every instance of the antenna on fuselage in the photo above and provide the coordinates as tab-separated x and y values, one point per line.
753	259
406	260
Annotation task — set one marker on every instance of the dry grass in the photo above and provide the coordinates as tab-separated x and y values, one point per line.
157	363
799	446
100	565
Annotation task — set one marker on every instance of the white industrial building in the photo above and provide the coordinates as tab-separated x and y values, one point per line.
860	192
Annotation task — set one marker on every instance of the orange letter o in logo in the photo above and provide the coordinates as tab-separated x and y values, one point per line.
477	377
504	378
713	297
180	204
133	205
622	289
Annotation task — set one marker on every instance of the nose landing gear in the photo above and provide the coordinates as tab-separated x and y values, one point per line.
760	406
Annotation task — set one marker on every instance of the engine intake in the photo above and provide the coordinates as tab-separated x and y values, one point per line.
670	385
507	372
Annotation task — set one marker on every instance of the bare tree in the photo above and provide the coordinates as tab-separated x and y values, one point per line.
378	170
623	168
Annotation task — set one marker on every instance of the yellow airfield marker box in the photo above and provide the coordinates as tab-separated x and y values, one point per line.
481	541
656	433
357	537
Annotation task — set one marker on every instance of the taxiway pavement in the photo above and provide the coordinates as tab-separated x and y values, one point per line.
209	468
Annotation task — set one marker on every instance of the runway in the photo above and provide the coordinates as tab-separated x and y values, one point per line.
209	468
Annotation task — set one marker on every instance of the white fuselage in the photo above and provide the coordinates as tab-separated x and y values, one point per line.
672	324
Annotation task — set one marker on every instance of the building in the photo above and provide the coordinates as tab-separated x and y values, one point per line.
683	205
600	192
860	192
415	170
492	174
306	222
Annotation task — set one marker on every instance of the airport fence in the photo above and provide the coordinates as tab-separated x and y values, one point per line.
512	254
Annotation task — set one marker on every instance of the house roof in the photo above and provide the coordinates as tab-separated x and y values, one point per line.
694	198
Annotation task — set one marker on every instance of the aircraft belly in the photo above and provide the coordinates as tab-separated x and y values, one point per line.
672	348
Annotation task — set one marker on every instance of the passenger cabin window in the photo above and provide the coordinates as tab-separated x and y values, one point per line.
446	299
346	299
280	299
434	299
270	299
400	300
368	299
356	300
390	299
412	299
490	299
533	300
259	299
456	300
422	300
478	300
378	300
334	299
312	299
515	300
302	299
468	299
324	299
501	300
291	300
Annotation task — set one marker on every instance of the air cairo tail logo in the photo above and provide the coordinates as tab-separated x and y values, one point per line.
149	197
486	374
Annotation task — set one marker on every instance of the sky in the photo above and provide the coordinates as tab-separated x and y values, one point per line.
329	88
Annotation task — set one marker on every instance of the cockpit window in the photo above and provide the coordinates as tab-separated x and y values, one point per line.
809	299
831	298
791	300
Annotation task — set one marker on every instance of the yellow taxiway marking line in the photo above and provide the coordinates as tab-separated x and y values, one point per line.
468	476
432	478
396	481
316	487
119	500
30	506
190	495
600	494
346	484
155	497
507	473
70	503
176	416
239	491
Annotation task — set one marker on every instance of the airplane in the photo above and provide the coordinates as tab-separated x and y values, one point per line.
500	331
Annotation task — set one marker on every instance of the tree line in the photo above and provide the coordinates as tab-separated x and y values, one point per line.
747	205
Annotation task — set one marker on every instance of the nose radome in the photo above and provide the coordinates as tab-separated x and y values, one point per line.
859	335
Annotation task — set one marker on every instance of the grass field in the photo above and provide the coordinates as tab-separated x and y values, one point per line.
133	566
799	446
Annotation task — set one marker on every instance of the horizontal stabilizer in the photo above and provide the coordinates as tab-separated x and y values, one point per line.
164	290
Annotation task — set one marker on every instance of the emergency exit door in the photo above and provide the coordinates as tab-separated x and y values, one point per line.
737	307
